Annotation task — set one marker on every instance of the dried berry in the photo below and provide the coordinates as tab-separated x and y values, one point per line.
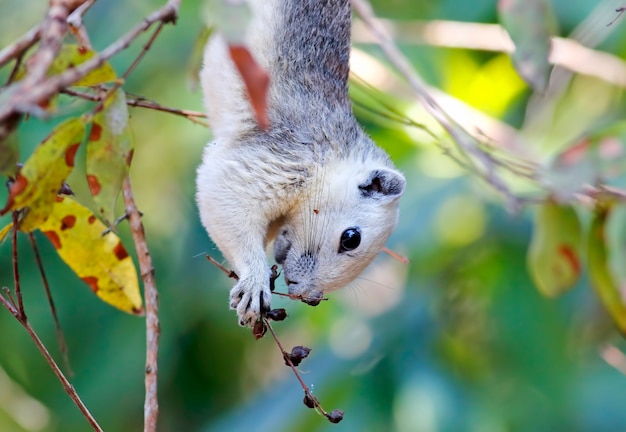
335	417
297	354
277	314
312	301
309	400
259	329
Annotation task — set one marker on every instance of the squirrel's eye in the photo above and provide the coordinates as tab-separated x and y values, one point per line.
350	240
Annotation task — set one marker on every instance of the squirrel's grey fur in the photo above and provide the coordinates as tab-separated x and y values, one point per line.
307	179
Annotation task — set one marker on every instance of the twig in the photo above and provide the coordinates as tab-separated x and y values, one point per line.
620	11
461	137
75	21
57	324
151	405
19	47
22	97
144	103
128	71
69	388
16	271
229	273
308	395
17	310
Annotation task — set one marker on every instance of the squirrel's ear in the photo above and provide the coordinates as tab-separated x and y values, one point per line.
383	183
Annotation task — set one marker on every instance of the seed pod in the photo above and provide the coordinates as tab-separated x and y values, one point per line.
309	400
335	417
277	314
259	329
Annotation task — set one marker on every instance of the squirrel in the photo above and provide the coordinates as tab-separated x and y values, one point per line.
313	183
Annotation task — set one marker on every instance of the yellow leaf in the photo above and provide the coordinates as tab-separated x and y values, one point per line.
4	231
37	184
100	261
71	55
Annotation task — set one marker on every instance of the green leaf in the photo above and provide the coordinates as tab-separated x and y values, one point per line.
109	153
530	23
602	278
37	184
554	254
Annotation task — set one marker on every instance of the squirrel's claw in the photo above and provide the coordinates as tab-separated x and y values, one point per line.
251	300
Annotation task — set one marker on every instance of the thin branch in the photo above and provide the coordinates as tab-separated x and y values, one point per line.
69	388
57	324
151	405
144	103
16	271
75	21
485	166
109	93
20	46
21	97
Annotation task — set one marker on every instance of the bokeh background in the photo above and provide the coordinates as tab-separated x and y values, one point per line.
457	340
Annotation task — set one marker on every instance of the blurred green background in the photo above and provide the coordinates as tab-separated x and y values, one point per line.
458	340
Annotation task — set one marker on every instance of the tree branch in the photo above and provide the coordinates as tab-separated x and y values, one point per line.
484	164
22	96
153	331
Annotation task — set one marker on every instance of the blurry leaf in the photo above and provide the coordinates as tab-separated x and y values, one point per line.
38	182
195	59
231	18
530	23
4	231
100	261
109	153
601	154
554	254
256	80
9	155
71	55
602	279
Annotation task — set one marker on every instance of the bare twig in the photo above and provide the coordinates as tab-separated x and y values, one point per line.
53	309
16	271
75	21
470	148
19	47
144	103
22	97
17	310
151	405
620	11
109	93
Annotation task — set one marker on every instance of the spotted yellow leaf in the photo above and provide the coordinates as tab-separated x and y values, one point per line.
37	184
100	261
109	153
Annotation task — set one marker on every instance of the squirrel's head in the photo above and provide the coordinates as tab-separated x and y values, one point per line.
330	239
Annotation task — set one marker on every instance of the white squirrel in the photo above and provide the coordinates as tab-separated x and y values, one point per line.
313	183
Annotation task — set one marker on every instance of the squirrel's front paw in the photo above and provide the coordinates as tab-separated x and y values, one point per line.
251	299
